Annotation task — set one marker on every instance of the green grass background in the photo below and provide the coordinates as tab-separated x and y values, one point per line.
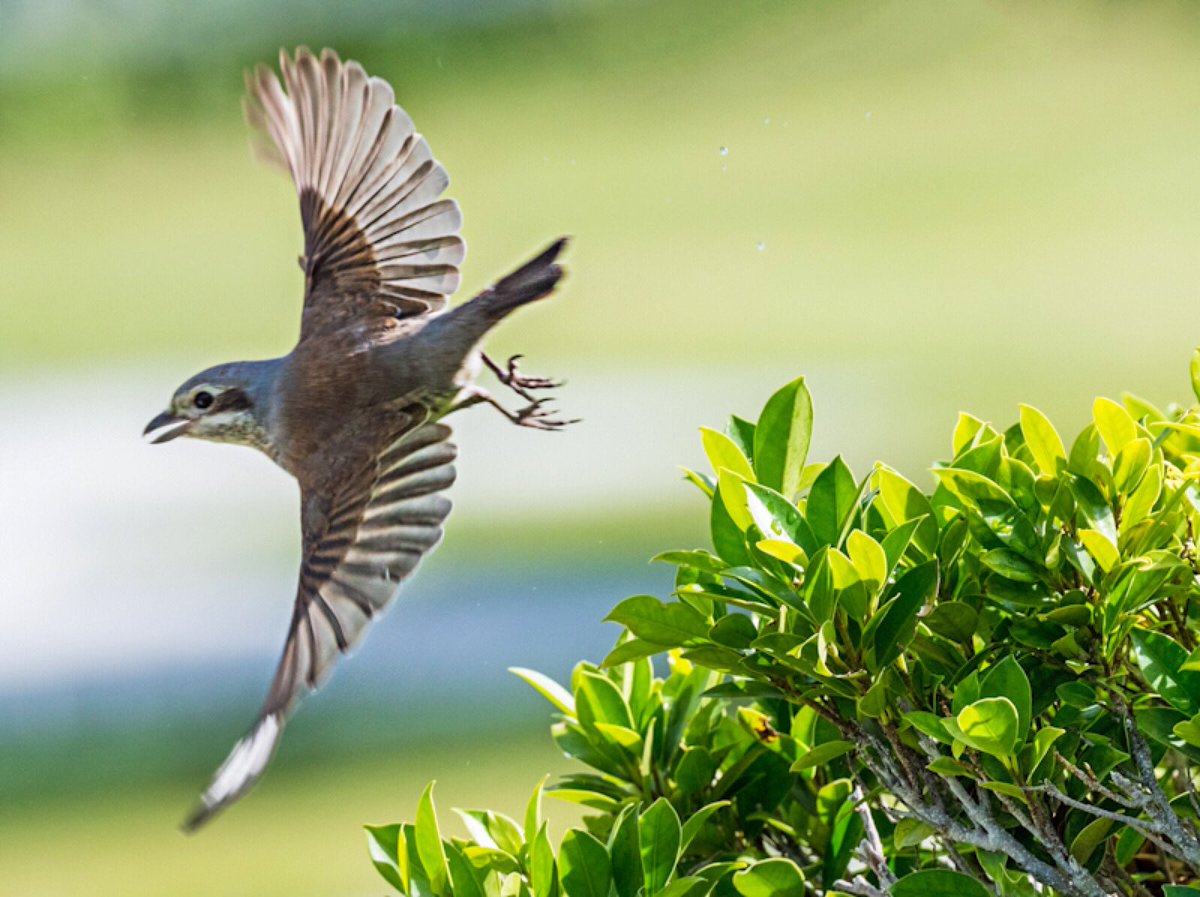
988	201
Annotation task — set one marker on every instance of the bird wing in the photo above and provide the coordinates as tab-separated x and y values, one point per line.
378	241
358	547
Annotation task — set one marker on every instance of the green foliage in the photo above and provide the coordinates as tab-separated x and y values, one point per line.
992	687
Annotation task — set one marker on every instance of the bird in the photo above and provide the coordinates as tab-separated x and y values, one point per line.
356	411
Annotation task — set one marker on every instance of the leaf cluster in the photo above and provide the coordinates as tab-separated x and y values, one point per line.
989	686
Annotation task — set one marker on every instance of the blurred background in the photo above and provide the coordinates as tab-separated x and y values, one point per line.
922	206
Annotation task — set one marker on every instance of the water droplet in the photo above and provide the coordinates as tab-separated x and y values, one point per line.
762	247
724	151
572	161
868	115
724	167
767	120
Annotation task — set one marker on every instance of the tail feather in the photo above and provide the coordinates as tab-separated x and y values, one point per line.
532	281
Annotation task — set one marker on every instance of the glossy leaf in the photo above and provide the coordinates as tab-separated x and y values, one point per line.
782	437
724	454
550	690
660	834
1043	440
989	725
830	501
1007	680
583	866
1161	660
670	625
938	883
429	843
770	878
823	754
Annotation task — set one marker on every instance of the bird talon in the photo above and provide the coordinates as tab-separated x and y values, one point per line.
519	383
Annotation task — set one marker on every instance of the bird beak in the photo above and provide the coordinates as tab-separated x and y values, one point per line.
166	427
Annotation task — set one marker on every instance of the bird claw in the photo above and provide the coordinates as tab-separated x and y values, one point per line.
538	417
519	383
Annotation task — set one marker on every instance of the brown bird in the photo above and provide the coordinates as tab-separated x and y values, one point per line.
354	411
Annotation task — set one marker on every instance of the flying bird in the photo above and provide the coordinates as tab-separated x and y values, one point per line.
355	411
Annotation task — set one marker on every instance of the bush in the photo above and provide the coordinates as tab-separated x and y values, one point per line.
989	688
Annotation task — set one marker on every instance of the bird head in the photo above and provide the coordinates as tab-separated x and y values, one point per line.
222	404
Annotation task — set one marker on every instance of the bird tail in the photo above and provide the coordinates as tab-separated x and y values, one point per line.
534	280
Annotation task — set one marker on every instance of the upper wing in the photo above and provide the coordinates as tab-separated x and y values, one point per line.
377	240
368	539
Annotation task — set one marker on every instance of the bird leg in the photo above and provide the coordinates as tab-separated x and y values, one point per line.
534	415
519	383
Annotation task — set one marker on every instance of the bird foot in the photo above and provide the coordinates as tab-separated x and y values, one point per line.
517	382
535	415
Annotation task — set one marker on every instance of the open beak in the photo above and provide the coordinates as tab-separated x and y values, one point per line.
166	427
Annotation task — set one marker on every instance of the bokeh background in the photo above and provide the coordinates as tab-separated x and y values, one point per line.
922	206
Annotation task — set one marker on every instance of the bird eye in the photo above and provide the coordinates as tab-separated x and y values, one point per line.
202	399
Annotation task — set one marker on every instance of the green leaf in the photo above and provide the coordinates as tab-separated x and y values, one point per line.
429	843
695	823
462	874
583	866
542	865
1043	440
971	487
625	850
831	501
1094	507
699	560
729	541
911	832
822	754
901	499
782	437
551	690
670	625
734	630
770	878
778	518
1008	789
988	725
598	700
928	724
691	886
948	766
965	430
533	811
1161	660
1011	565
1143	499
695	770
741	431
630	650
1090	837
953	620
896	621
1195	372
938	883
1007	680
660	835
732	491
869	559
1116	427
1182	890
387	849
723	454
1100	547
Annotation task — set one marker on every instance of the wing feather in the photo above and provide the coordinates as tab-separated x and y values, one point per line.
376	532
375	226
